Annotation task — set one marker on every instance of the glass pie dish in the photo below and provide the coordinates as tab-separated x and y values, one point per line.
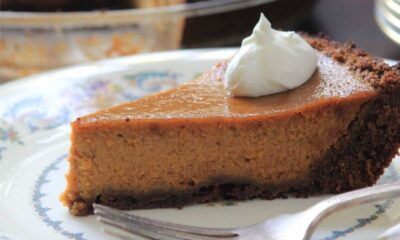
31	42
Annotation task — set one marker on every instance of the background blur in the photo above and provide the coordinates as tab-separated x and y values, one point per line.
352	20
36	36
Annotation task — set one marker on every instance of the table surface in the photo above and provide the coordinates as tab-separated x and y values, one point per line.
353	20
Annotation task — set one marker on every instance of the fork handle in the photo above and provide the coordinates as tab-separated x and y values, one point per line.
349	199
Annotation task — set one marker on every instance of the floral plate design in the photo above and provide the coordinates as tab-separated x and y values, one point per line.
34	141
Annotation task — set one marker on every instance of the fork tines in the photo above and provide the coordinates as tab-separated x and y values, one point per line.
155	229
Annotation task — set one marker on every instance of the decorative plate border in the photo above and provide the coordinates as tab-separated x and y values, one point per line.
362	222
42	210
8	135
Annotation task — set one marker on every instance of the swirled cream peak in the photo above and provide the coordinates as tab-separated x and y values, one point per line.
269	61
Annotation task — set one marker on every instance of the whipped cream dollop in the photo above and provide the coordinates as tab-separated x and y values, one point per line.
269	61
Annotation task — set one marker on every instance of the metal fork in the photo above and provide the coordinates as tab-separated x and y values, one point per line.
295	227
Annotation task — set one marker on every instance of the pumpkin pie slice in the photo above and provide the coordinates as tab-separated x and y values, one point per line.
196	143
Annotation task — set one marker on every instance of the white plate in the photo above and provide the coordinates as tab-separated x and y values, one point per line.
34	141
